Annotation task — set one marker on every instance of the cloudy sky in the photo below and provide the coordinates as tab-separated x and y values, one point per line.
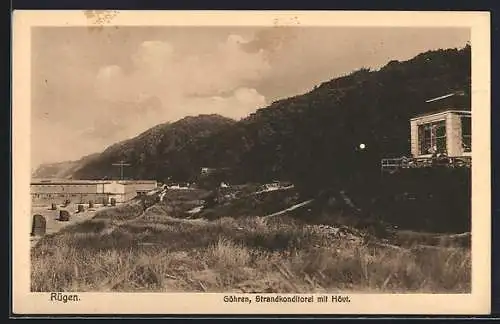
92	88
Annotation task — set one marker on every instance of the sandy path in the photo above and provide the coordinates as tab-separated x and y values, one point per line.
304	203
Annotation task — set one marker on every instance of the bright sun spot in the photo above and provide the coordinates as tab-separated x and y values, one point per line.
362	146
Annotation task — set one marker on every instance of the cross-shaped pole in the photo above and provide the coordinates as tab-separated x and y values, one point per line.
121	164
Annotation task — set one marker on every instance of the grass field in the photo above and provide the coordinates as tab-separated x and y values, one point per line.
127	249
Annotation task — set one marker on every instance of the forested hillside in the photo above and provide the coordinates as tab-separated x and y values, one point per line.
155	153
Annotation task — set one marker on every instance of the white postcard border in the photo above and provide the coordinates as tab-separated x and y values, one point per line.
478	302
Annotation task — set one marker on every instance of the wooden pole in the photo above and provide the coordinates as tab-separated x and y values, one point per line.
121	164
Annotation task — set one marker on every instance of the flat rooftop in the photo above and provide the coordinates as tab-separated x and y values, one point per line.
136	181
443	112
87	182
67	182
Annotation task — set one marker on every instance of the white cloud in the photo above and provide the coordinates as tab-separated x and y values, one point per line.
211	82
153	55
240	103
186	85
109	82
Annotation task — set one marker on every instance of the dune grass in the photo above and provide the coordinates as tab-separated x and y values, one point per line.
151	251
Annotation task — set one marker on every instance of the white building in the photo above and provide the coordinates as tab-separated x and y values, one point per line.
125	190
46	191
446	132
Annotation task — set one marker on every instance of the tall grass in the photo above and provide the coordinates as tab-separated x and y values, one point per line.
252	254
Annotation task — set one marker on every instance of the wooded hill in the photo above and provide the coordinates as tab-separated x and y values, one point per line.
155	154
309	139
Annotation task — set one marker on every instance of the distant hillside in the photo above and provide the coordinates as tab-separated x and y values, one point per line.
61	170
309	139
153	151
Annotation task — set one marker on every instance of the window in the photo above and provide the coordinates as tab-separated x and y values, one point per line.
432	137
466	134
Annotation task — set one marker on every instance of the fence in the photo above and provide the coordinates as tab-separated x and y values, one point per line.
394	164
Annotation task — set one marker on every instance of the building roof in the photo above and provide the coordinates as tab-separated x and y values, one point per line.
88	182
126	182
443	112
458	100
442	97
66	182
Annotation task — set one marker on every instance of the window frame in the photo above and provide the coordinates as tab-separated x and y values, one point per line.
428	137
466	149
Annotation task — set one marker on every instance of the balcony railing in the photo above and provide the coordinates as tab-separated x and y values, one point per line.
394	164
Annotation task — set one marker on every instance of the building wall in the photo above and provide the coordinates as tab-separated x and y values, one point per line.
125	190
101	187
140	185
122	197
454	135
58	193
114	187
118	197
63	188
51	198
463	152
414	137
132	187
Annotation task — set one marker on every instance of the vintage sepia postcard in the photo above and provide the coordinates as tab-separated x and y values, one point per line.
233	162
